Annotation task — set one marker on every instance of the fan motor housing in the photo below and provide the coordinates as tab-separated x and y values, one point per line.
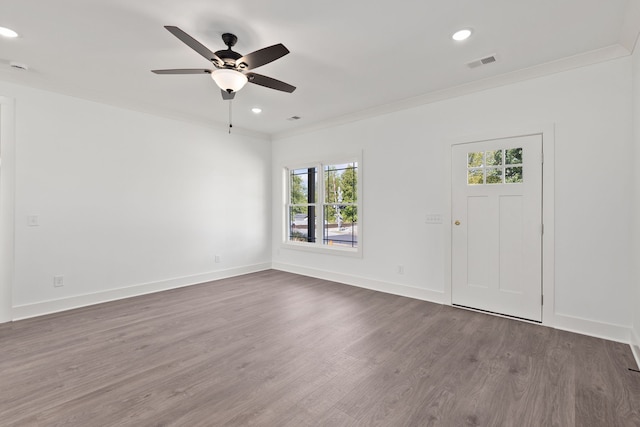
228	54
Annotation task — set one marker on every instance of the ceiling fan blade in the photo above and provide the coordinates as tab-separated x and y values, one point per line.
261	57
226	95
269	82
194	44
183	71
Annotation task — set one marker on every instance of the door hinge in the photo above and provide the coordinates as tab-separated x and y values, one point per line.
541	299
542	157
542	229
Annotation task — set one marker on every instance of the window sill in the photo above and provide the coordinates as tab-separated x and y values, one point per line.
347	252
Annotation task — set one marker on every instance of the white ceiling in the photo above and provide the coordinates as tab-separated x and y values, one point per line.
346	56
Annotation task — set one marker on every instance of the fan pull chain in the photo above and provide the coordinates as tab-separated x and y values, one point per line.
230	125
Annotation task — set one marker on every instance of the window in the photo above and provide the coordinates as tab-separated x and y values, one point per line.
495	167
322	206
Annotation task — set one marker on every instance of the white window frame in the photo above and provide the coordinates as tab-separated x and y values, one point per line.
318	246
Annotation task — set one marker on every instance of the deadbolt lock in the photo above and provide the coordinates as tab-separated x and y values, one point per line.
457	222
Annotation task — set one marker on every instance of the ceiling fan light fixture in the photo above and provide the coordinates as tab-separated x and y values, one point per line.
227	75
229	80
461	35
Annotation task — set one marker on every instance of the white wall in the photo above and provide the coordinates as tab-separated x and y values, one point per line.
128	202
404	170
131	203
635	339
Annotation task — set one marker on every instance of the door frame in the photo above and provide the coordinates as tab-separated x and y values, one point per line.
7	200
547	131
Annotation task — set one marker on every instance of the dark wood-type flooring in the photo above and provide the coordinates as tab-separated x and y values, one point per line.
278	349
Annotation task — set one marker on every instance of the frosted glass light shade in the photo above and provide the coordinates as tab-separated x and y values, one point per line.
227	79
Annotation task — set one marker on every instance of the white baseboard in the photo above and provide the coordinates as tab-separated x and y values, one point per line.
635	346
592	328
63	304
363	282
607	331
578	325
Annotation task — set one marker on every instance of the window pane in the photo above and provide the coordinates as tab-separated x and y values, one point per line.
301	191
494	176
514	156
301	223
475	160
475	177
494	158
513	175
331	184
340	226
341	183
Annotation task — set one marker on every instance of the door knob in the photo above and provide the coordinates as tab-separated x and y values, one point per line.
457	222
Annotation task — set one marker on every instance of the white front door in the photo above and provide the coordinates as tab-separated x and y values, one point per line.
497	226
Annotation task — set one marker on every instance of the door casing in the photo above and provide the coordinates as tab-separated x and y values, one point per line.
7	190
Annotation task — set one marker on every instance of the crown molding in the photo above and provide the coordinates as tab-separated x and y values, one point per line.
577	61
630	26
136	107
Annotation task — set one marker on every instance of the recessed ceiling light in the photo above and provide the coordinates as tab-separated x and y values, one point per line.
8	32
461	34
256	110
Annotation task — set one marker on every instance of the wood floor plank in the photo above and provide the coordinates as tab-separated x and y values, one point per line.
279	349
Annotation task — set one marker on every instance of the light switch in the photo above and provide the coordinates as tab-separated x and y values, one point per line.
433	218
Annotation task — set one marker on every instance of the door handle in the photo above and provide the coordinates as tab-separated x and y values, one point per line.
457	222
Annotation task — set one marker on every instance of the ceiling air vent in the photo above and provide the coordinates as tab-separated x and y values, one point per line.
292	118
482	61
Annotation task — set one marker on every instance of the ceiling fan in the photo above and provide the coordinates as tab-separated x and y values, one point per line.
231	70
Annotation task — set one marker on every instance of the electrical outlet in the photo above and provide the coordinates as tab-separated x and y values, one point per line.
217	259
58	281
400	269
